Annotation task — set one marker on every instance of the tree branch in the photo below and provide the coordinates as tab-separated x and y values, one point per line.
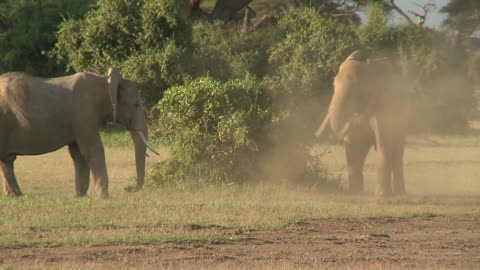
391	4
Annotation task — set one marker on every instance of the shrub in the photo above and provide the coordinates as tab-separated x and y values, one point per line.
216	131
436	66
28	31
376	35
222	52
302	65
144	38
309	50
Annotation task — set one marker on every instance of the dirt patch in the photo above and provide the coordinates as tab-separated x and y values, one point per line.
376	243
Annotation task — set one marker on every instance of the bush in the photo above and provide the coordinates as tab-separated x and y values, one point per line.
436	66
222	52
303	63
145	39
27	31
375	34
309	50
216	131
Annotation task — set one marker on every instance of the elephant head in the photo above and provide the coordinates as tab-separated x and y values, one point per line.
128	111
354	96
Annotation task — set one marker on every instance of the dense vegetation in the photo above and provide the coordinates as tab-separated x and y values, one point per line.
234	103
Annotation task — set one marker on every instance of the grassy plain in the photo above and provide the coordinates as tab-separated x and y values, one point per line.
442	181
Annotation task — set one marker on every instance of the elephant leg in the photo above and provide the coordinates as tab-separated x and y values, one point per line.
383	144
397	167
91	148
82	171
356	152
10	181
96	161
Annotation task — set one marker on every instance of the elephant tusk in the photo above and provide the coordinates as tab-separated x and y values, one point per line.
345	129
144	140
322	127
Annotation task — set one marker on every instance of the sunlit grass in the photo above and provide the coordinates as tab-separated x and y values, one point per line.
154	216
441	181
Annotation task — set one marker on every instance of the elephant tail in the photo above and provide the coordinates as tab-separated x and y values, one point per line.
14	92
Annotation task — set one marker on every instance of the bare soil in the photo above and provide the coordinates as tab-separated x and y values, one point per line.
376	243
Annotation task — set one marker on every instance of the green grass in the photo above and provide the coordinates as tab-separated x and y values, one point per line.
154	216
116	136
441	181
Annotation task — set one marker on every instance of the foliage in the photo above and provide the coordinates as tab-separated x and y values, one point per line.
302	64
216	129
376	35
229	58
434	65
309	49
437	69
144	38
463	16
27	32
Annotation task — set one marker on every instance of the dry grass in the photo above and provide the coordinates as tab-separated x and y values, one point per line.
441	181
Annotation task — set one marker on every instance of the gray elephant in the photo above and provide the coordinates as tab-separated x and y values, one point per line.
39	115
369	108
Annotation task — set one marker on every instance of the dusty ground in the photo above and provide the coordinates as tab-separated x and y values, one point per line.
380	243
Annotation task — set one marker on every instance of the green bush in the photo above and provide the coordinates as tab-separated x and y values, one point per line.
219	133
222	52
302	65
309	50
436	67
27	32
144	38
376	35
216	131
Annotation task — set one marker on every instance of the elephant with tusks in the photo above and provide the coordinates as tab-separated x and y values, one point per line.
369	108
40	115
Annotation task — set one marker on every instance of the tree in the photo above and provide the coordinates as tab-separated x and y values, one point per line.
143	38
463	16
27	32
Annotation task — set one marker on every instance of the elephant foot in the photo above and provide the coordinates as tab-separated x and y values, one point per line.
132	188
12	192
354	191
399	193
80	195
104	196
383	193
355	188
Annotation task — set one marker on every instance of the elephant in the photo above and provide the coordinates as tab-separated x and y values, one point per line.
39	115
369	108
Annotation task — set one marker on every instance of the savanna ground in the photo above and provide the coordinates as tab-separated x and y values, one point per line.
436	226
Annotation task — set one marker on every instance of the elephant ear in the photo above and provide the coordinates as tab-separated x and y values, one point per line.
114	78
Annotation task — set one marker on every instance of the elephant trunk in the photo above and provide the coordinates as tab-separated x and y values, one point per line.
139	132
339	115
140	155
